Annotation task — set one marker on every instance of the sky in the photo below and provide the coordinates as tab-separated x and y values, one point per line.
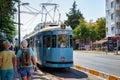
91	10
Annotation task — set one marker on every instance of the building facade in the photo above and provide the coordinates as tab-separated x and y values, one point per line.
112	18
113	24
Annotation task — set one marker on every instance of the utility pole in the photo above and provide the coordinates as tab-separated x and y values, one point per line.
19	34
117	45
19	25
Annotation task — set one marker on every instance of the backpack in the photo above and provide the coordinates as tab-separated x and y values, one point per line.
26	57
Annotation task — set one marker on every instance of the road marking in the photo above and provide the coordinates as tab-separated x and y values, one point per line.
94	72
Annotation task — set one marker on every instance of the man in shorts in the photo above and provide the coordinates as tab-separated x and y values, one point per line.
25	70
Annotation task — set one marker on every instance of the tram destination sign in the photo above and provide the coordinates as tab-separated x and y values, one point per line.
62	32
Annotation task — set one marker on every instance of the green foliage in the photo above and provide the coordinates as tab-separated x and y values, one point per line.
73	16
100	28
91	31
81	31
7	11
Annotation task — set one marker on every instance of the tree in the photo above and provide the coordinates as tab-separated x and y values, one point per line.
73	16
81	31
100	28
91	30
7	11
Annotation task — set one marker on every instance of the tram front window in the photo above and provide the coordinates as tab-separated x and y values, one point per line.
53	41
46	41
63	41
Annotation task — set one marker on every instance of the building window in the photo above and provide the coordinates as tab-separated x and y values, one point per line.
112	16
107	1
112	4
106	29
113	29
117	1
107	12
118	24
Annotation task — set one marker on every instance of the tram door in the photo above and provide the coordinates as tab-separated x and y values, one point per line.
37	46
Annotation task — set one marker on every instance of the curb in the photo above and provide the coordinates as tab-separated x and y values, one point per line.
98	73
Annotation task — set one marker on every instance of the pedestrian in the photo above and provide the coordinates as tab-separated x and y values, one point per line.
7	62
1	44
16	46
11	48
26	61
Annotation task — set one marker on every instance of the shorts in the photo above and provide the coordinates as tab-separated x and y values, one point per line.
6	74
26	71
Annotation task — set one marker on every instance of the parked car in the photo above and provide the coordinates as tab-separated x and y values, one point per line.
82	48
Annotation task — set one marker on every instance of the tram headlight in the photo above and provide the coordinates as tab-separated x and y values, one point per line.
63	59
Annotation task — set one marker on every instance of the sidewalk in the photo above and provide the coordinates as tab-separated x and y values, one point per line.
39	75
35	76
101	52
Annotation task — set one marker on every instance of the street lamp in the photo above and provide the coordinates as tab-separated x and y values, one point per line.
19	33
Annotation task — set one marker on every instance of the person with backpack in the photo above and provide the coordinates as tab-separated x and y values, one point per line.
7	62
26	61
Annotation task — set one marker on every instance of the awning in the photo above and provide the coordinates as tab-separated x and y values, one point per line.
100	42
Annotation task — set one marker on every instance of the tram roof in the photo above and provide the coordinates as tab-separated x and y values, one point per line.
47	28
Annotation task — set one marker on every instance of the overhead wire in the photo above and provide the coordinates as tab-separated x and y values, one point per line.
36	13
30	9
34	16
33	8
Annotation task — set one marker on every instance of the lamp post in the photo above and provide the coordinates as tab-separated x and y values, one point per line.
19	29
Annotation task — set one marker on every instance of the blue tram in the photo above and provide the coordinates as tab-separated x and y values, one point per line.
52	45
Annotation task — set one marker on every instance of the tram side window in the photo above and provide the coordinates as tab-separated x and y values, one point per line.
62	41
37	43
46	41
71	41
53	41
31	43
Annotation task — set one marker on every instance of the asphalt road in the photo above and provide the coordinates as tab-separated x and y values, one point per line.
105	63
